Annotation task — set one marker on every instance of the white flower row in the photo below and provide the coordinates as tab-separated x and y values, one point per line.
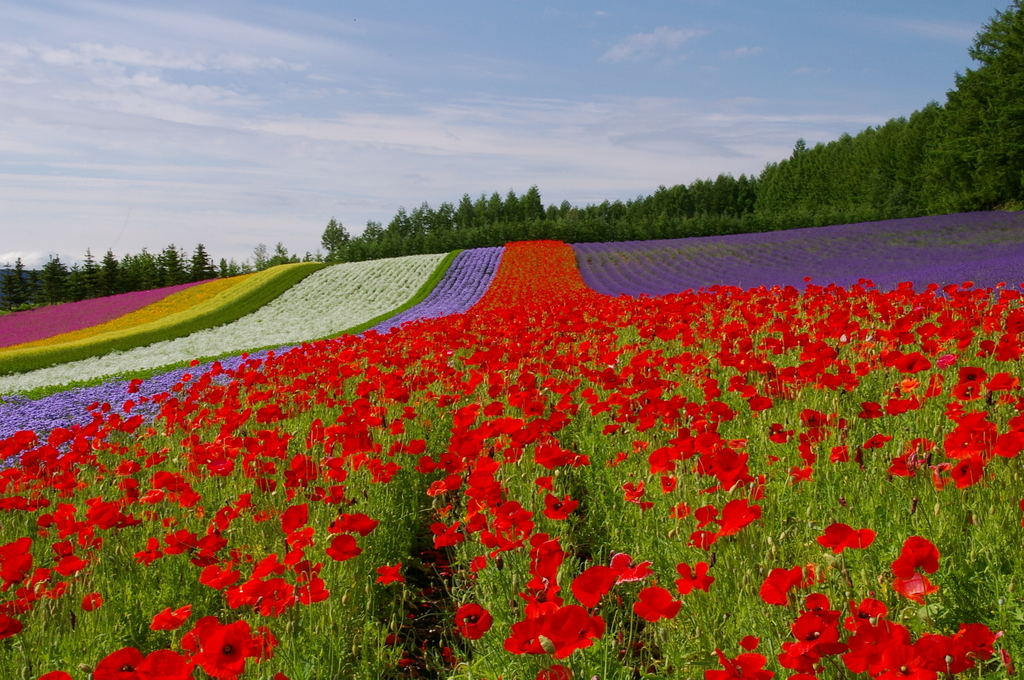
325	303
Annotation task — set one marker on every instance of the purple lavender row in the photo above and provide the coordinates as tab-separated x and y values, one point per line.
464	283
45	322
983	247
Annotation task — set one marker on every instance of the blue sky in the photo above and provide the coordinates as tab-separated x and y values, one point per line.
138	124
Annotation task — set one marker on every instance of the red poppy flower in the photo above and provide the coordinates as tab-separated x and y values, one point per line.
750	643
55	675
775	589
558	508
388	574
121	665
473	621
743	667
839	537
969	374
554	672
655	604
294	517
697	579
165	664
9	626
968	472
445	536
737	514
357	523
171	620
224	648
343	547
917	553
593	583
627	572
914	362
92	602
914	587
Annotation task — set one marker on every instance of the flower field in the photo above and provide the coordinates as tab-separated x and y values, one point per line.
172	304
984	248
554	483
45	322
227	304
462	287
326	302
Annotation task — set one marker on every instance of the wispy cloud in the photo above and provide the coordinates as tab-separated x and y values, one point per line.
955	31
85	54
808	70
743	51
661	40
32	259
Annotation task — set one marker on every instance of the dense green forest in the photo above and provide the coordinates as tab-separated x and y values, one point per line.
55	282
964	155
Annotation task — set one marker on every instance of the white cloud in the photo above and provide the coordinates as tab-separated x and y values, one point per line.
33	259
958	32
807	70
743	51
639	45
86	54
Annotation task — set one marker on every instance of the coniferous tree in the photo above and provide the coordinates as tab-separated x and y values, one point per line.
140	272
75	287
14	286
172	266
109	275
91	286
201	266
53	282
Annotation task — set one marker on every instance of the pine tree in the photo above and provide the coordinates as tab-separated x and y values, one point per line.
14	287
171	263
90	284
109	275
201	266
139	272
53	282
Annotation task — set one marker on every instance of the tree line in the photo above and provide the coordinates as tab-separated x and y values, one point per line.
964	155
56	282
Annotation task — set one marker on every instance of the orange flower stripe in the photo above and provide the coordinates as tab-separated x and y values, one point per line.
172	304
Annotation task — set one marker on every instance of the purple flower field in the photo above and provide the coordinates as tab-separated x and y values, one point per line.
463	284
984	247
45	322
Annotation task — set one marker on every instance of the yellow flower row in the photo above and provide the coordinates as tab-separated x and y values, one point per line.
172	304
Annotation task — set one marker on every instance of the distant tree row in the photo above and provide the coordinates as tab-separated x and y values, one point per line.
965	155
56	282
